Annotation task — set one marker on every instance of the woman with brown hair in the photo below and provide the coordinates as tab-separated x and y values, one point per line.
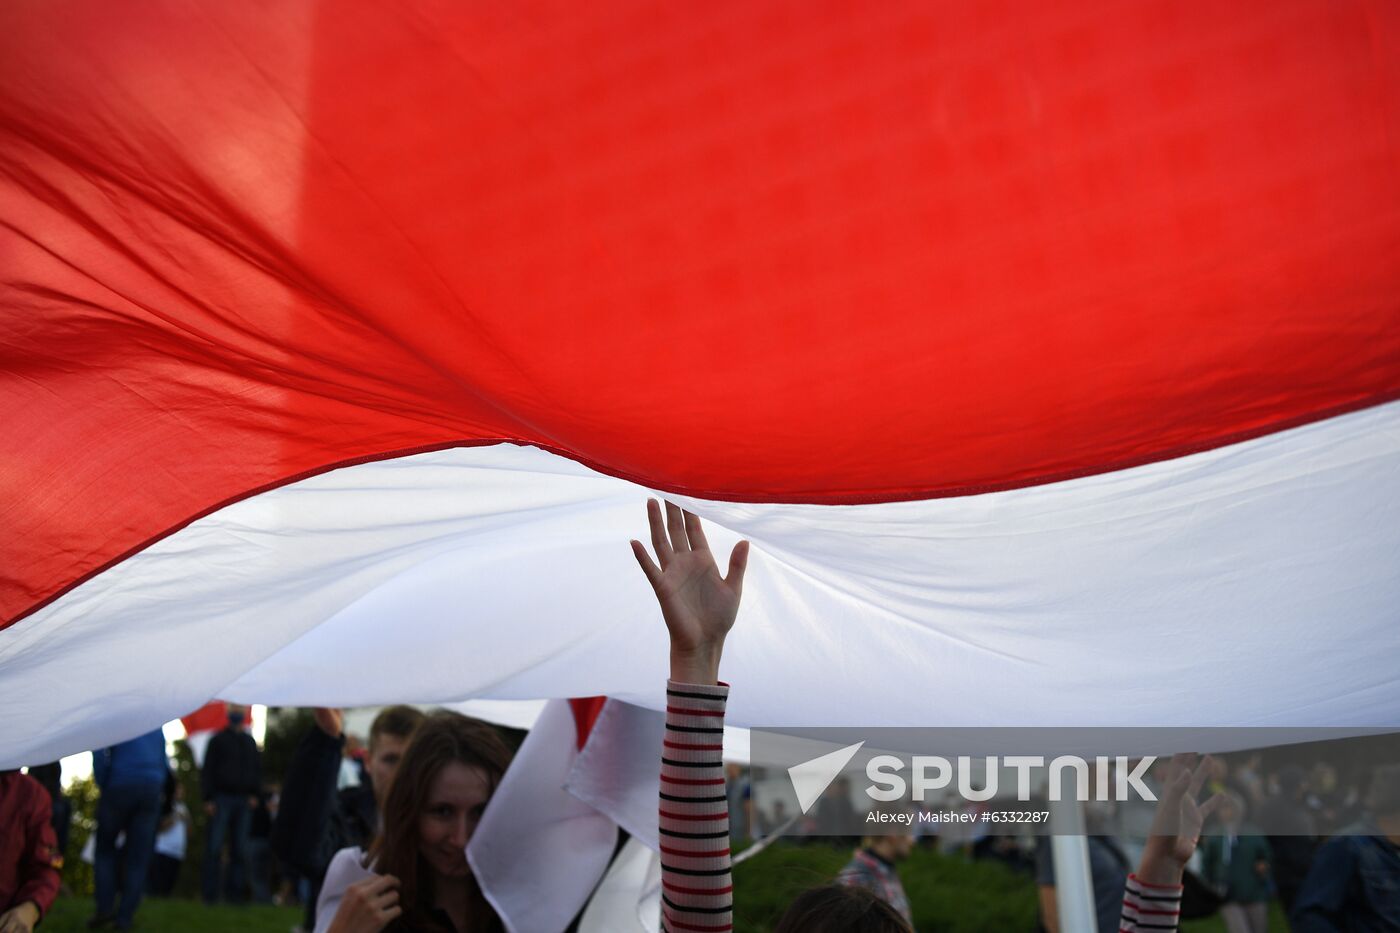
415	876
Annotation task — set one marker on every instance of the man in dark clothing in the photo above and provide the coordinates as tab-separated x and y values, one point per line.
314	821
131	776
1354	884
230	780
1294	842
29	858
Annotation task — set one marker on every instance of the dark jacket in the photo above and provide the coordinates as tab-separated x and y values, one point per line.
232	765
1231	865
1354	886
314	821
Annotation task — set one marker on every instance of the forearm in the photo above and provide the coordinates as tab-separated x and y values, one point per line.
308	798
697	887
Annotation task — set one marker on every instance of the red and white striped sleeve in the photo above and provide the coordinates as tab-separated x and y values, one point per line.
1150	907
696	886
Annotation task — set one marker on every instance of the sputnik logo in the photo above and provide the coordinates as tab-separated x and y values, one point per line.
811	778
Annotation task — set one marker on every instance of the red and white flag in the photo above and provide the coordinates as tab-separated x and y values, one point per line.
1048	355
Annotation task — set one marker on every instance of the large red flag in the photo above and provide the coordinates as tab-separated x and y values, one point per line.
1012	258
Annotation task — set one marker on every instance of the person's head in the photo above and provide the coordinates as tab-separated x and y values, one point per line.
236	715
892	848
835	908
388	737
448	772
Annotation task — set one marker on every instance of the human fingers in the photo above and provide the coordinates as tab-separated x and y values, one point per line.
675	523
694	532
389	913
738	563
1209	807
653	572
1174	786
380	883
1198	776
385	899
659	544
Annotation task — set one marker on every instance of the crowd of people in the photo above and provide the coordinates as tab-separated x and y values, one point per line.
389	852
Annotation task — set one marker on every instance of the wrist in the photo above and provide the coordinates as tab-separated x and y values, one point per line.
697	665
1160	872
29	910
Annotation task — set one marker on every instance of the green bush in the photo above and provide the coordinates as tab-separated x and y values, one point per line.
77	874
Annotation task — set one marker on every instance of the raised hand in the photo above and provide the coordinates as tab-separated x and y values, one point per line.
1176	825
698	604
331	721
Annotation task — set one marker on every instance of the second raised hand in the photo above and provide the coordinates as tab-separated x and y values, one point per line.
698	604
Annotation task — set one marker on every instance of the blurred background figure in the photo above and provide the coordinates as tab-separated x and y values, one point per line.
739	794
172	841
1354	883
1236	864
131	777
230	780
1293	842
873	868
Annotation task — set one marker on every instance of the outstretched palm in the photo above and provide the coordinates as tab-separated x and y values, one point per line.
1176	826
698	604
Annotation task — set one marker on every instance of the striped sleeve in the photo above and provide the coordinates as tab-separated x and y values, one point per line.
696	886
1150	907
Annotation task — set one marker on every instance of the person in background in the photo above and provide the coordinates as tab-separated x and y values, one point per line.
415	873
230	779
51	776
314	819
172	840
872	867
29	858
739	800
260	859
1236	864
131	777
1293	839
1354	883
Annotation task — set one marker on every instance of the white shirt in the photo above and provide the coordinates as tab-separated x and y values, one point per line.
172	841
346	868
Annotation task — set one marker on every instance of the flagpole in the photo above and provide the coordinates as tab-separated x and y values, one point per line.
1069	850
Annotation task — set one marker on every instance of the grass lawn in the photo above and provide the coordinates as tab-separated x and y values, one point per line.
157	915
949	895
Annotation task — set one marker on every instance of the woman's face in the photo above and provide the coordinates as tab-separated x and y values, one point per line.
455	802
